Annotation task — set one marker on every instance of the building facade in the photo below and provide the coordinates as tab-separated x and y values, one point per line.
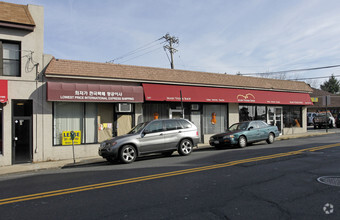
21	94
43	99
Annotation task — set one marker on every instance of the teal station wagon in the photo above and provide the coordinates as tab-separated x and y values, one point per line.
245	132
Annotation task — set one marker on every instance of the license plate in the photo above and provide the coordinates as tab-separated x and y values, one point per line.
216	142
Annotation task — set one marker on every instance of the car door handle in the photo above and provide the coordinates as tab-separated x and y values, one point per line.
161	134
179	131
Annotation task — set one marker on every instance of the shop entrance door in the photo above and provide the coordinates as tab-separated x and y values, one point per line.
175	113
22	140
22	147
275	117
124	124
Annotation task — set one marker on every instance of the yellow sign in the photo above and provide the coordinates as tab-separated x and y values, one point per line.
314	99
66	138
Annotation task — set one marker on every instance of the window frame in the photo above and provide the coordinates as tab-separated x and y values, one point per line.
83	129
2	57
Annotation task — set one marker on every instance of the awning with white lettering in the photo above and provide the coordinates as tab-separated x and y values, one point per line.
81	92
172	93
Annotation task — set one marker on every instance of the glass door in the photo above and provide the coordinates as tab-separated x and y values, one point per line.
22	133
176	113
275	117
22	140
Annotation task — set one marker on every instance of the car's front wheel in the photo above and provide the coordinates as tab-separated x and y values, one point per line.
185	147
242	141
271	138
127	154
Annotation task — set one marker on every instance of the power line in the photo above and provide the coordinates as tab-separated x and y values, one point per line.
293	70
138	50
141	55
317	77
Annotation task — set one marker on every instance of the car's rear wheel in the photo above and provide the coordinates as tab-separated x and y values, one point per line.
271	138
242	141
185	147
127	154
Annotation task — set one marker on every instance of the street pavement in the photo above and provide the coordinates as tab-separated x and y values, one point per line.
31	167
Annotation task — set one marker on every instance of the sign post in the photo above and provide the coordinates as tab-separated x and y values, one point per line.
180	92
72	134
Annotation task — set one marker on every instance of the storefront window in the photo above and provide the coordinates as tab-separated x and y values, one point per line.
214	119
292	116
105	121
67	117
90	123
95	121
151	109
252	112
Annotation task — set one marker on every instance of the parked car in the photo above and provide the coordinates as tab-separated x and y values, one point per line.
310	117
245	132
324	119
337	121
157	136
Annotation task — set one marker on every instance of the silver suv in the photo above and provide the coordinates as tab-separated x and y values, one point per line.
158	136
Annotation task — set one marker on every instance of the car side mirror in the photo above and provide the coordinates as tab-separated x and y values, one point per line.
251	127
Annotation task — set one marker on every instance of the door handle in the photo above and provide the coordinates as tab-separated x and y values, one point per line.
161	134
179	131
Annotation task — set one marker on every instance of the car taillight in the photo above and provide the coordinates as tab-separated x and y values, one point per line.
196	133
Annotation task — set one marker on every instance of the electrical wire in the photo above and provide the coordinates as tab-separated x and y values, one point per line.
138	50
140	55
293	70
317	77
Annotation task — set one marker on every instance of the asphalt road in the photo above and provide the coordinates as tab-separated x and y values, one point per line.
262	181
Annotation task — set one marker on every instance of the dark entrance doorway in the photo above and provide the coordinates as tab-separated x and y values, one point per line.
22	131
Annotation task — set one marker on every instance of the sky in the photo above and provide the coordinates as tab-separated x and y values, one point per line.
219	36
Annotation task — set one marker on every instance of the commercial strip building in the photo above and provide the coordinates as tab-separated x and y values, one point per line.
41	105
319	100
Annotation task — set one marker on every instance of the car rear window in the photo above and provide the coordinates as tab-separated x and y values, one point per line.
172	125
185	124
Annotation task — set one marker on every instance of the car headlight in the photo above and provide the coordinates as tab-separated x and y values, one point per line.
228	136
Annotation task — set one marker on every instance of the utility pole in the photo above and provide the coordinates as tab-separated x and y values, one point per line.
171	40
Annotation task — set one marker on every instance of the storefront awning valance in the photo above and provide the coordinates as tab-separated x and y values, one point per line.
81	92
171	93
3	91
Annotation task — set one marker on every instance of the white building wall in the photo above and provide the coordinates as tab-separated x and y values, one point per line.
233	113
29	85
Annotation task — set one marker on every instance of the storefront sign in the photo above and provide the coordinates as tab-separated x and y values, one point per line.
314	99
67	139
78	92
3	91
158	92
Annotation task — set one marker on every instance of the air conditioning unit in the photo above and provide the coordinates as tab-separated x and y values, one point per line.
195	107
124	107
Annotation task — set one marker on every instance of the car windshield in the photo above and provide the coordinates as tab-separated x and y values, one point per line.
138	128
239	126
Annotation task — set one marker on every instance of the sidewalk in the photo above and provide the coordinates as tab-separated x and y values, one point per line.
29	167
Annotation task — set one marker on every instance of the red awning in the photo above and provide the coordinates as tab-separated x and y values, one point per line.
3	91
80	92
171	93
